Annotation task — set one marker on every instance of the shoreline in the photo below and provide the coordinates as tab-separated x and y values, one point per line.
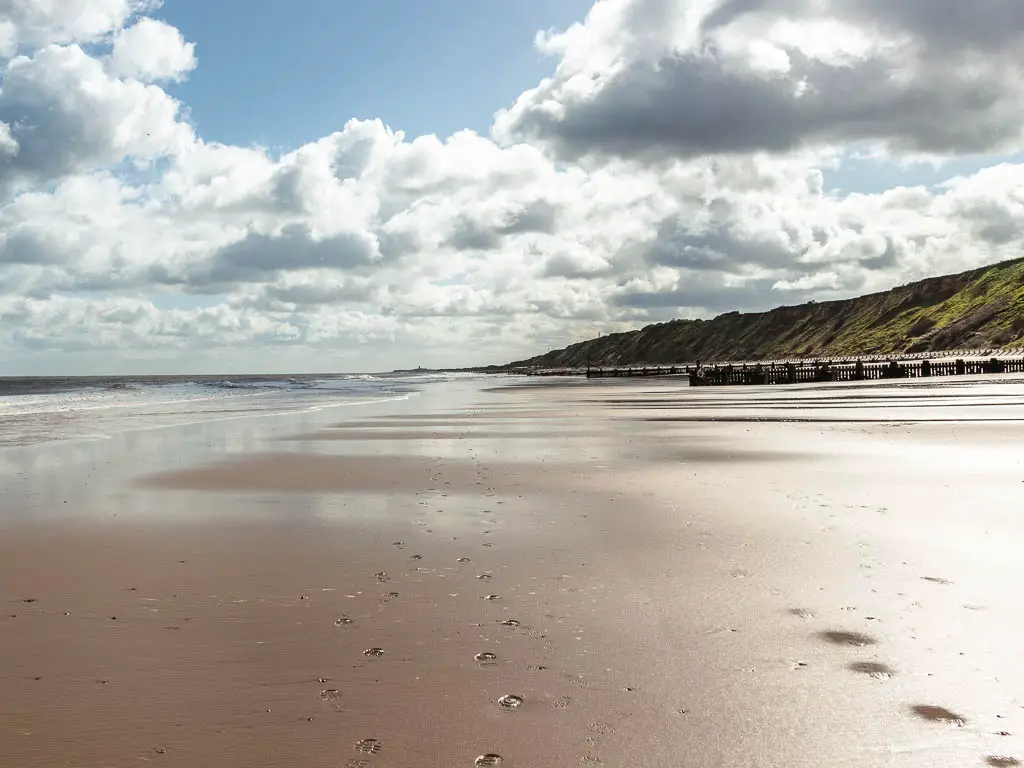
694	592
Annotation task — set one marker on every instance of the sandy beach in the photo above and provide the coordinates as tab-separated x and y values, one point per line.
574	573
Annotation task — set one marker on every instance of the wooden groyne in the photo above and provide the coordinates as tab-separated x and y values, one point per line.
798	373
647	370
801	371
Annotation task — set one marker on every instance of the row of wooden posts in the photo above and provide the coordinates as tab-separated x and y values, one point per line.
803	371
793	373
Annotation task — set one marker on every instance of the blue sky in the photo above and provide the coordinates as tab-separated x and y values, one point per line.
273	76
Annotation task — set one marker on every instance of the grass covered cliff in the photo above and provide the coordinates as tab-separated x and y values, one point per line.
980	308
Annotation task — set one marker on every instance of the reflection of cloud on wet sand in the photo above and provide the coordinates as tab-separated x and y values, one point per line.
316	473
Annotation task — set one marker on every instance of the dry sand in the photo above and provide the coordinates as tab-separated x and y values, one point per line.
808	576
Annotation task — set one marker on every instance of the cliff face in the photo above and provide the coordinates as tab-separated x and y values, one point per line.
977	309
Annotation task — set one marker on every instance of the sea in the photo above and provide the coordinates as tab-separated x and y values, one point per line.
46	409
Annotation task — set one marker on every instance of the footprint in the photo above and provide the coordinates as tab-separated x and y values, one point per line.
1001	760
562	702
510	701
801	613
368	746
872	669
937	580
854	639
938	715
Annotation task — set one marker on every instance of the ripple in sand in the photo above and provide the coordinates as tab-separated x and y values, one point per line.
510	701
938	715
492	597
1001	760
368	746
510	623
381	576
855	639
330	694
344	621
490	760
373	652
872	669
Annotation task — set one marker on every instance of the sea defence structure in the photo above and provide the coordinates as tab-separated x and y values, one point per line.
858	370
800	371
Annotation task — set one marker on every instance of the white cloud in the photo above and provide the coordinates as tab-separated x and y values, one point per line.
368	246
655	78
69	115
41	22
152	50
8	144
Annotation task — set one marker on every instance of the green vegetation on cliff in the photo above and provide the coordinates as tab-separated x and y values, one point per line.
982	308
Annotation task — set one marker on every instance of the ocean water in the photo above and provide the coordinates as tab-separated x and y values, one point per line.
46	409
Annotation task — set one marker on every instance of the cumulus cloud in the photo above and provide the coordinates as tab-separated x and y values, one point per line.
655	78
41	22
65	114
672	165
152	50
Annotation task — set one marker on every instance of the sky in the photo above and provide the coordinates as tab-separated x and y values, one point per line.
257	186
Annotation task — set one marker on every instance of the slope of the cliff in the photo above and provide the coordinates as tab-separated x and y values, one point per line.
976	309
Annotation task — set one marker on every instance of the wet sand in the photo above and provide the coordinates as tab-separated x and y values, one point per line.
678	577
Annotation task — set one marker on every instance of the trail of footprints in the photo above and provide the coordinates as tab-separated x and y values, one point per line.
509	702
880	671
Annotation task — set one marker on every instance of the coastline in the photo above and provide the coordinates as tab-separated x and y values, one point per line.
768	591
